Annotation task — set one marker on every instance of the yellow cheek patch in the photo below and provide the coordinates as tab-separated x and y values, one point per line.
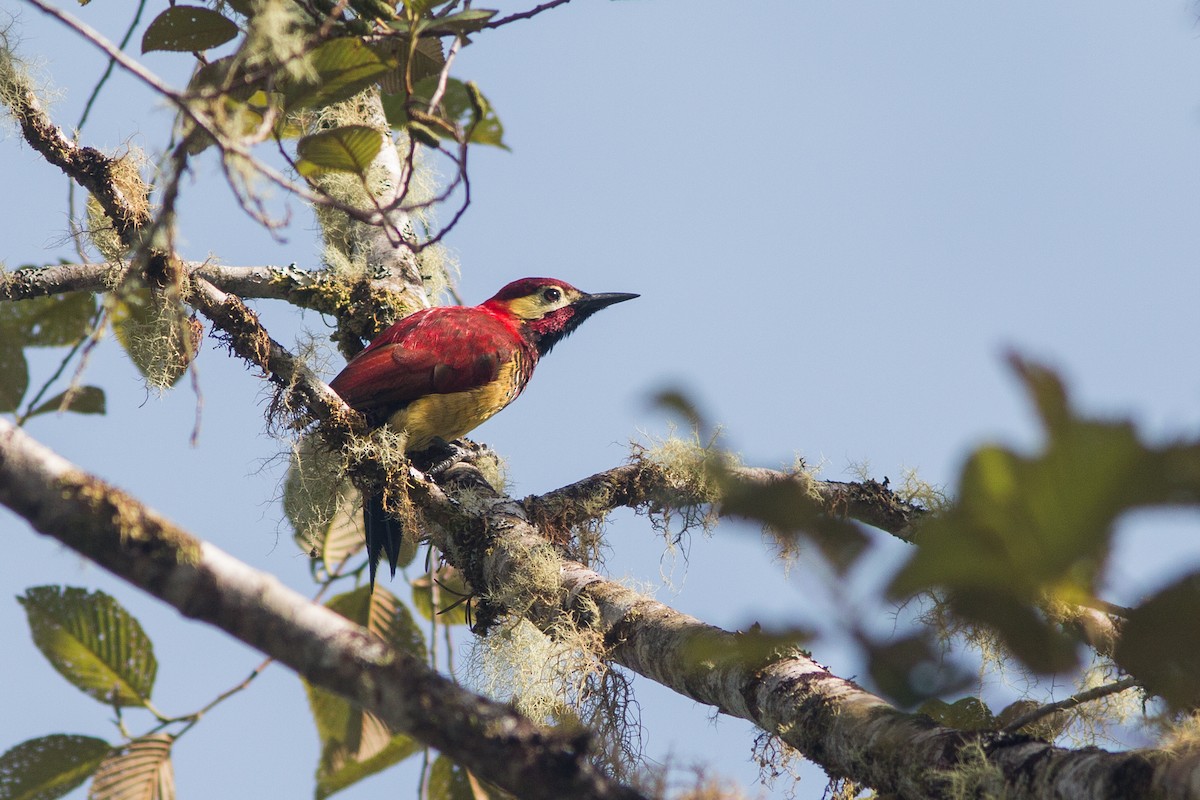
534	306
450	416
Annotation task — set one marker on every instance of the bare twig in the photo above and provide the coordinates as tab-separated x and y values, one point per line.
533	12
1075	700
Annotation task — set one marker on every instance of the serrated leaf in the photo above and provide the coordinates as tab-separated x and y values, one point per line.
355	743
84	400
93	642
57	320
49	766
141	770
14	374
348	149
187	29
342	68
453	596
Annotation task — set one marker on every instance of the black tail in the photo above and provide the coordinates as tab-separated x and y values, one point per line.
384	534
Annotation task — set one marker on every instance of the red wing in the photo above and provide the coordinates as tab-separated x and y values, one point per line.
436	351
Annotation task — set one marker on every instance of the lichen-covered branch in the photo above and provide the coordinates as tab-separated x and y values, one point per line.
831	720
119	533
644	484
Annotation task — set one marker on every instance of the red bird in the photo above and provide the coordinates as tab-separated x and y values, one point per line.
439	373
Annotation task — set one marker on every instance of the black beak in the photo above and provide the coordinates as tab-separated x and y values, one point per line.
591	303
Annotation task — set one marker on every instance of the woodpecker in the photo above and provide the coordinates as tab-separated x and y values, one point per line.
441	372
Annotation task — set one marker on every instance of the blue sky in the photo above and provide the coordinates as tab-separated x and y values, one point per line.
838	215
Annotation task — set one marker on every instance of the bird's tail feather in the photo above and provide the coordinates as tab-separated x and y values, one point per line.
384	534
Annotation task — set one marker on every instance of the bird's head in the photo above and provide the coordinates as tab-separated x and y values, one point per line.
547	309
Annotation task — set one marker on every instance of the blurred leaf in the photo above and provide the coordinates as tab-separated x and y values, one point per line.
342	68
355	743
967	714
84	400
451	781
49	766
141	770
243	7
461	105
786	508
348	149
453	596
187	29
1025	529
93	642
753	647
910	670
57	320
1160	643
14	373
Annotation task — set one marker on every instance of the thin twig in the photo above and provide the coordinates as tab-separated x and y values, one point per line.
533	12
1073	701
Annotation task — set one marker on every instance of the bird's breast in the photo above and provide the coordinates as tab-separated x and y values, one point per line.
452	415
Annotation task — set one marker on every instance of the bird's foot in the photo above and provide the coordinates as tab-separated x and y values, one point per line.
439	457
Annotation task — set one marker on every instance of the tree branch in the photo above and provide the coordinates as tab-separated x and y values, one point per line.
831	720
1074	701
119	533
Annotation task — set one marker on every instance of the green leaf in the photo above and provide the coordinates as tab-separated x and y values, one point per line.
342	68
49	766
187	29
14	373
1160	644
462	23
911	670
355	743
84	400
93	642
348	149
463	107
427	59
141	770
58	320
451	781
155	332
453	596
321	505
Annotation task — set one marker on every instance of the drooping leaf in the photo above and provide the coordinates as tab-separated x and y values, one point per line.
321	505
93	642
84	400
348	149
141	770
453	596
355	743
1160	643
49	766
156	333
187	29
342	68
14	373
427	59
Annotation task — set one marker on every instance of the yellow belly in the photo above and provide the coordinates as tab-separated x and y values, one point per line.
450	416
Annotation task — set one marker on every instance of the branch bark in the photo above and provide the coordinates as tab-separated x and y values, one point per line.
120	534
832	721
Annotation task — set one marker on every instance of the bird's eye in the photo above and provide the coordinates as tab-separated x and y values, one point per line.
552	295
